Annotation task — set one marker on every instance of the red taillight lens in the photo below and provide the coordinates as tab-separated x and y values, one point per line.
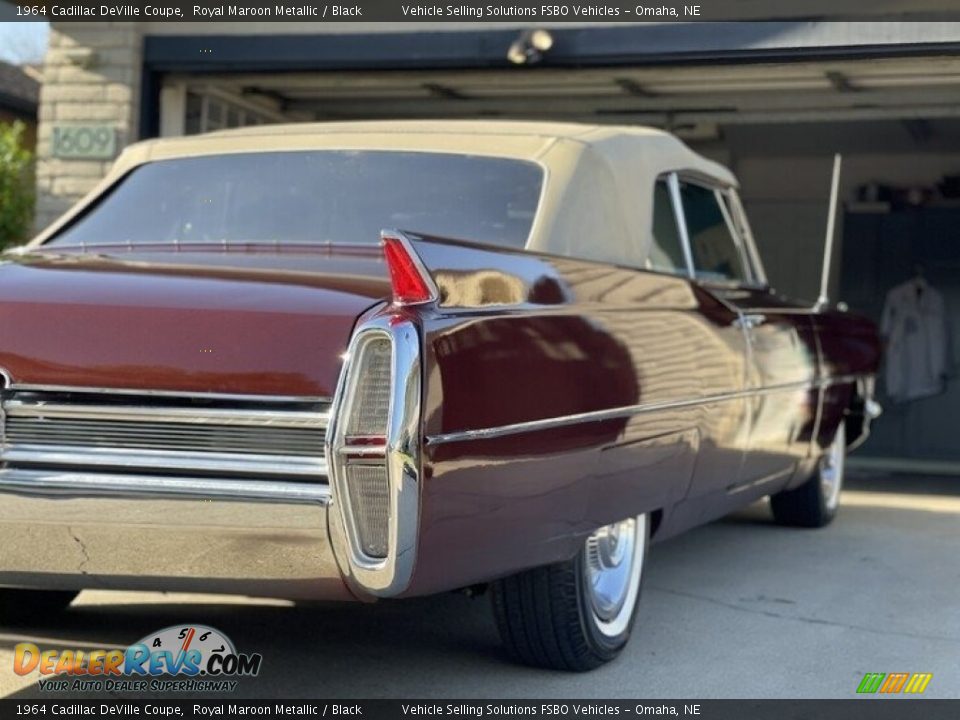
409	284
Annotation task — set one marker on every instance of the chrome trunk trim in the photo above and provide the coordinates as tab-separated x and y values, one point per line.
185	434
29	387
186	416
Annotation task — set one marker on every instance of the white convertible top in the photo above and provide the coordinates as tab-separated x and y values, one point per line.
598	192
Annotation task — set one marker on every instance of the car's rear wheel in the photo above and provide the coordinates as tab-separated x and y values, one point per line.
815	503
576	615
19	605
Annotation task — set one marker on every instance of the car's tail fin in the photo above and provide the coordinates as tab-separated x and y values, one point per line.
464	274
412	283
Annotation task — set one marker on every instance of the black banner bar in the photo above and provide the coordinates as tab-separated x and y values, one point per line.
856	709
525	11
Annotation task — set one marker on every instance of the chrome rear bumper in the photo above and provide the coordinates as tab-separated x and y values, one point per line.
73	530
159	490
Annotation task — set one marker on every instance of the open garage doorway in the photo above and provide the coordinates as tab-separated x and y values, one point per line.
777	125
899	232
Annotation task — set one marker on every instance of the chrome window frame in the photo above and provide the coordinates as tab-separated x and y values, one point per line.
389	576
755	276
673	183
668	179
759	271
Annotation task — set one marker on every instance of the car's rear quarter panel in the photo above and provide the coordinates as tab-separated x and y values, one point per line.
525	338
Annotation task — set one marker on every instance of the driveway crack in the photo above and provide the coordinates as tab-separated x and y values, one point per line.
83	549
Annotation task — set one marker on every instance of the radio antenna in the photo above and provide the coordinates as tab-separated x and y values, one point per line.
823	299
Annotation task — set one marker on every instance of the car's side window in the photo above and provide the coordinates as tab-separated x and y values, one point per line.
666	249
738	218
716	252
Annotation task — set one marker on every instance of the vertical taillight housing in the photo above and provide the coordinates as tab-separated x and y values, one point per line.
362	448
374	440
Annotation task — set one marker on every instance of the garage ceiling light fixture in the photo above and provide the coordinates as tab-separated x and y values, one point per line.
529	48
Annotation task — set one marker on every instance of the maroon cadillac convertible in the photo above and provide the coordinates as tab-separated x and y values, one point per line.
367	360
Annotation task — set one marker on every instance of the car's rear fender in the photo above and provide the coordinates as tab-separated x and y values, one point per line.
530	439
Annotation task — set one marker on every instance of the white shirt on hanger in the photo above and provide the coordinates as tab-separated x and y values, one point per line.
914	323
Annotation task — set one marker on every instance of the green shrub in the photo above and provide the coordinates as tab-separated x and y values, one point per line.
16	185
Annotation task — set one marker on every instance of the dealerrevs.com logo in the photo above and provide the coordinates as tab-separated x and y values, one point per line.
181	658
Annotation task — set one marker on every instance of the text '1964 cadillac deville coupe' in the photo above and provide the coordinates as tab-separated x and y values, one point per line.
223	374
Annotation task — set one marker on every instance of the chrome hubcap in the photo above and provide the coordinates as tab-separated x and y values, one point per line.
614	558
831	470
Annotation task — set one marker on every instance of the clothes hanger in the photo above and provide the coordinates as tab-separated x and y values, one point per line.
919	281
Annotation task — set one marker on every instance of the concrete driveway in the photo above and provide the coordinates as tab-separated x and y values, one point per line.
739	608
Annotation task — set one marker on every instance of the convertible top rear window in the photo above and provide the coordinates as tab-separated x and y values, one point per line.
315	197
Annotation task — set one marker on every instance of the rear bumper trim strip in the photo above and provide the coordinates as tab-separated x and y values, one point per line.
54	482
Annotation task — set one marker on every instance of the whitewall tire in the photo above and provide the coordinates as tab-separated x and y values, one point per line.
576	615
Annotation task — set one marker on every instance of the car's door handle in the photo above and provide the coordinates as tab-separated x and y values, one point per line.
749	321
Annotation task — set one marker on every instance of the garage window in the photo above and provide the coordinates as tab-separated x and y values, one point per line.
206	113
315	197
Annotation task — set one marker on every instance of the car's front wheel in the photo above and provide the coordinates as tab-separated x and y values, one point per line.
19	605
815	503
576	615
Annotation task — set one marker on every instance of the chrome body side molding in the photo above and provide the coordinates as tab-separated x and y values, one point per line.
628	411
